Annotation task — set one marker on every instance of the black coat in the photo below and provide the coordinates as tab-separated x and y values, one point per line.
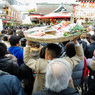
84	44
91	83
68	91
89	50
7	65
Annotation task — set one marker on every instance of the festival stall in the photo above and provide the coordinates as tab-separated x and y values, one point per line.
85	11
59	14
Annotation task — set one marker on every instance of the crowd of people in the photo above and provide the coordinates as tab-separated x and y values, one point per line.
33	68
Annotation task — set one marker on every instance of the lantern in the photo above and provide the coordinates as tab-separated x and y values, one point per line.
82	4
90	4
93	5
85	4
74	7
74	12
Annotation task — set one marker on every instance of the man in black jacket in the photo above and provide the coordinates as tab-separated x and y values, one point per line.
6	64
58	76
90	48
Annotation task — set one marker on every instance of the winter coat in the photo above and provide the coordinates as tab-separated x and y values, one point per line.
91	82
10	85
89	50
78	74
7	65
18	53
40	65
68	91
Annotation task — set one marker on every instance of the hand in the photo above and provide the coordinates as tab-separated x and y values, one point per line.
75	39
28	43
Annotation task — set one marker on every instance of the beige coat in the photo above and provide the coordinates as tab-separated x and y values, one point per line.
92	65
40	66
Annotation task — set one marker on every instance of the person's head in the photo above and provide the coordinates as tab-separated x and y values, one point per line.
70	49
14	40
88	37
23	42
26	77
52	51
5	38
25	72
58	75
10	32
3	49
20	34
92	38
3	31
42	52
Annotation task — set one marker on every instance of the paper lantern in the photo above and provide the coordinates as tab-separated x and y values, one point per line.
85	4
74	12
82	4
90	4
93	5
74	7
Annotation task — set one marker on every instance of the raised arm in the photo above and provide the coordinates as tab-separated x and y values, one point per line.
31	63
79	54
79	50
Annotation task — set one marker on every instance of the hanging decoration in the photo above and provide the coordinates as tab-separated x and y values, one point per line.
90	4
85	4
74	7
93	5
82	4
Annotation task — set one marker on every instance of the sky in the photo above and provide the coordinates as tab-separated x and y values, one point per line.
50	1
55	1
32	3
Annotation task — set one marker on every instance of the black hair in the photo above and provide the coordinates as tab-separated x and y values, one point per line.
5	38
55	50
93	37
42	53
3	49
70	49
14	40
9	66
20	34
3	31
10	32
35	44
23	42
26	77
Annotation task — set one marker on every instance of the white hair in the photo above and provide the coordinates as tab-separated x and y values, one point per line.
58	75
91	27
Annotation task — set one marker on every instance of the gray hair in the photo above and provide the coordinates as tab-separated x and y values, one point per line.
58	75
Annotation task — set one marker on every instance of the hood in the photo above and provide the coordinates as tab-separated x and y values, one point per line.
14	50
3	73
